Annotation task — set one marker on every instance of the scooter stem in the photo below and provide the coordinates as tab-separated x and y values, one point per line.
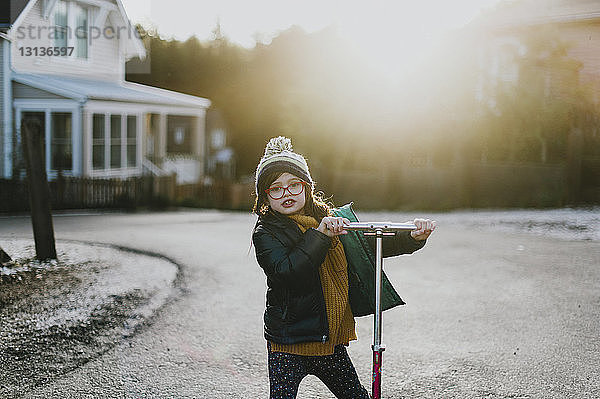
379	230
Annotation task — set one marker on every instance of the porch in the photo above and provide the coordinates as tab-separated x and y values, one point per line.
101	129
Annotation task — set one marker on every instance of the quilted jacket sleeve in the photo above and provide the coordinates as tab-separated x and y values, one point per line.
401	244
294	266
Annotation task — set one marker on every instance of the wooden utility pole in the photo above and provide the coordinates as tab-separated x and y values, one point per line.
39	192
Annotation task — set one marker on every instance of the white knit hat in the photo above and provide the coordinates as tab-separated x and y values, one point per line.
279	157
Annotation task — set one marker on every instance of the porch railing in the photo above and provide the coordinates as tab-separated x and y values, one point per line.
152	168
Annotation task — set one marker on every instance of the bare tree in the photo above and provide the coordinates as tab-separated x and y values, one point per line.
4	258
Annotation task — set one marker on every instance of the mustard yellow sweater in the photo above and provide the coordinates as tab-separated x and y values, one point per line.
334	281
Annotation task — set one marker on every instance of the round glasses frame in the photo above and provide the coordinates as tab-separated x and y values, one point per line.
284	189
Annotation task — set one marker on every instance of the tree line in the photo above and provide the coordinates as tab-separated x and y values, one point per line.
321	91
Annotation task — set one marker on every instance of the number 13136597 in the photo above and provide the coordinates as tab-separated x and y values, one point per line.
46	51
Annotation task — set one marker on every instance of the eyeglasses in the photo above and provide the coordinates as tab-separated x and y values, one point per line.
295	188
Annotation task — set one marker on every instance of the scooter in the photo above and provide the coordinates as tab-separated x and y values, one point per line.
379	230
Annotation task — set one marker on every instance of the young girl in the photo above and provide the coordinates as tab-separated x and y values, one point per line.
317	276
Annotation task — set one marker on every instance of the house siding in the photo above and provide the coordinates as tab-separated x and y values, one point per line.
103	63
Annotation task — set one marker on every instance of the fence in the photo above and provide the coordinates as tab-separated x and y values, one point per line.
458	186
74	193
410	187
590	180
219	194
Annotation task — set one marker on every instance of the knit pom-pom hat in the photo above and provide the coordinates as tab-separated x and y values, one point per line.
279	157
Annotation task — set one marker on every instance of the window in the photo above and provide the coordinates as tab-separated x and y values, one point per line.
218	139
180	130
114	146
81	31
115	141
179	135
131	141
61	25
98	142
71	26
61	147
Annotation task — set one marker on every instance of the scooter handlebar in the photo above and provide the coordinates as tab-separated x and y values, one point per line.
386	227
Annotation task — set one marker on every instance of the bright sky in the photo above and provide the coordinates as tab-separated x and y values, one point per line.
373	25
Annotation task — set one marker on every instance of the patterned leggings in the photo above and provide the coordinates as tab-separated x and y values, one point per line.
336	371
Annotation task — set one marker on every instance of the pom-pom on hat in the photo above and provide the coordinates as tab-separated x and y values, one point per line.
279	157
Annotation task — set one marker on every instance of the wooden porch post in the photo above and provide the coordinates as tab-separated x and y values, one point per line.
86	143
200	138
160	149
162	136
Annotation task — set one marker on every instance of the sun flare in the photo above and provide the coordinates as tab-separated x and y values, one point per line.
393	35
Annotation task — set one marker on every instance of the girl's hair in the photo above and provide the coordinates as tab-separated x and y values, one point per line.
315	206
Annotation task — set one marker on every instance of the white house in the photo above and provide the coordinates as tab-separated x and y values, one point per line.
63	62
500	34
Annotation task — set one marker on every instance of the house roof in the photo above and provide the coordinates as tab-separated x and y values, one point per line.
14	12
85	89
536	12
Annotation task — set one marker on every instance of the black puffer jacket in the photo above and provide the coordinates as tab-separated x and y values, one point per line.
291	259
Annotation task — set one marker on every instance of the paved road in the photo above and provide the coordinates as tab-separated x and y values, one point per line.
490	315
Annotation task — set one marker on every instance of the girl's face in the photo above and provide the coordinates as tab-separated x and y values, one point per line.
289	204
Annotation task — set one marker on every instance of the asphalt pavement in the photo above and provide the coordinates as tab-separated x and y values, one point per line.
489	314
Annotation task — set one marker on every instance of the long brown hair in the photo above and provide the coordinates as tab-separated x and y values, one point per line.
316	205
